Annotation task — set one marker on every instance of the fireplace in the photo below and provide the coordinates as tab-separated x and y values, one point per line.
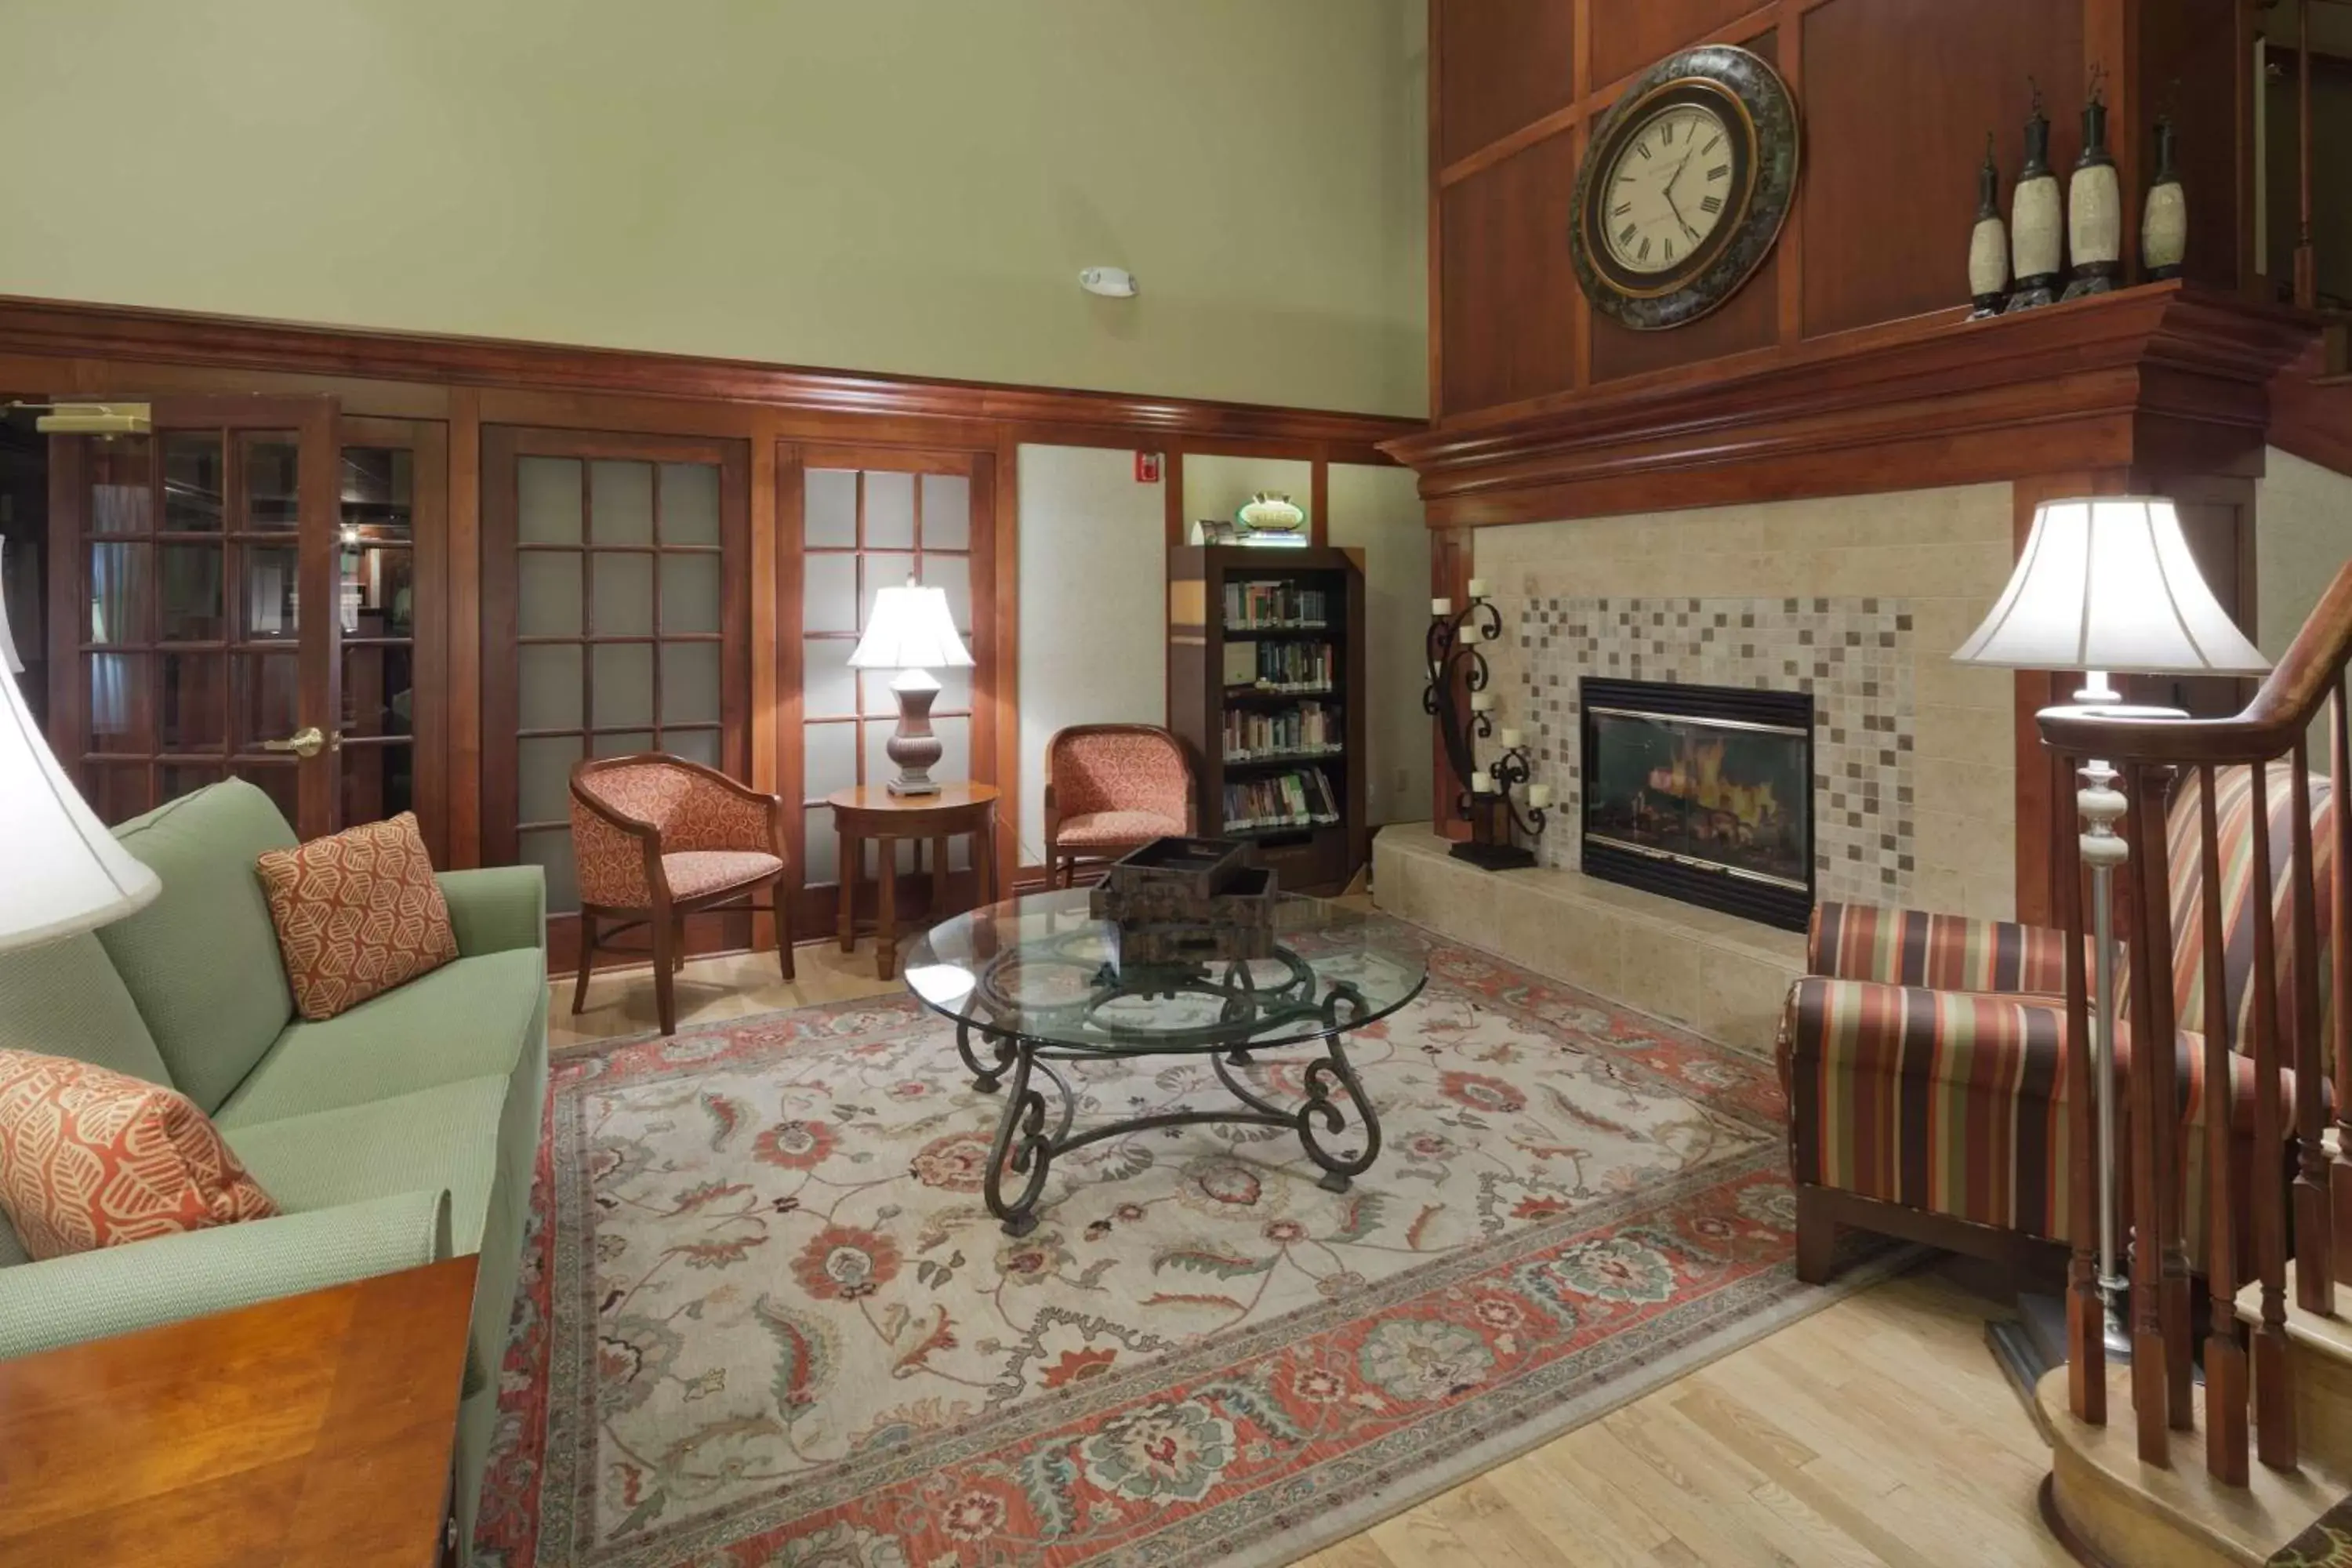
1701	792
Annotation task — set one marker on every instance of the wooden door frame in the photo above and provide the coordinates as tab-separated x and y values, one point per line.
429	653
501	449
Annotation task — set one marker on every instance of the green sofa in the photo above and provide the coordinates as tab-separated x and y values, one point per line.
400	1132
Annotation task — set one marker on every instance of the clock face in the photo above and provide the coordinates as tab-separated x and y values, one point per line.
1684	187
1669	188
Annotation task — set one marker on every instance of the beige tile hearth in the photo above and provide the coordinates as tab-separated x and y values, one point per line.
1712	973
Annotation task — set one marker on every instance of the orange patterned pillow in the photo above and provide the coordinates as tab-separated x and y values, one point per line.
358	912
93	1158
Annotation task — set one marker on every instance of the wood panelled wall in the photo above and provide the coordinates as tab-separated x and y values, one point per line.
1895	99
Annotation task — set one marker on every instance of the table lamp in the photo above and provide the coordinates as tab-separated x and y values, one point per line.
2106	585
66	871
911	631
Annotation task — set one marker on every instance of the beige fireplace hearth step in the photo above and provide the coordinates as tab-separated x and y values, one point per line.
1711	972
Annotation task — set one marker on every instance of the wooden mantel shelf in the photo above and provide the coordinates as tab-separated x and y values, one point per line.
2163	378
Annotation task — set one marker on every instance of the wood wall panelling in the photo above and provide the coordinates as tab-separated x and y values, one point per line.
1629	35
2195	64
1511	291
1500	64
1898	95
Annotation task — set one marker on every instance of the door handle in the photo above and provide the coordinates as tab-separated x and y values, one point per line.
306	743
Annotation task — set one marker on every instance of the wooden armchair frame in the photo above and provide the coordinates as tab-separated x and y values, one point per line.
666	914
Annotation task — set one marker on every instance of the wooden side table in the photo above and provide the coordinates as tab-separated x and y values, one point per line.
870	813
313	1429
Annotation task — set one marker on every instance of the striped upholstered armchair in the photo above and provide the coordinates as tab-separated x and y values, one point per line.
1924	1055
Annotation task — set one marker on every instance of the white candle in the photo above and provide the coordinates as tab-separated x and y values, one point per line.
1472	631
1441	606
1510	740
1477	587
1538	795
1480	784
1482	702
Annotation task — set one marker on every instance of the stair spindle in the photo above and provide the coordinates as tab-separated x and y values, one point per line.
2166	1229
2339	969
2086	1340
2274	1426
2145	1141
2315	1278
2225	1349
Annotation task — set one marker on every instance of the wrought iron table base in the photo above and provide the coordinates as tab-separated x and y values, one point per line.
1021	1132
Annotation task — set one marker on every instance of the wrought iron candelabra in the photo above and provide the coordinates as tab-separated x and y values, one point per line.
1457	699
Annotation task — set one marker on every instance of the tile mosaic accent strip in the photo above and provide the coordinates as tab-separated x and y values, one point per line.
1852	655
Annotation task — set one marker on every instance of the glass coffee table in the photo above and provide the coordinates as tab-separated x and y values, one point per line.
1034	982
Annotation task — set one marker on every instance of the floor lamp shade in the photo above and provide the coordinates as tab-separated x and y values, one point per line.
2107	583
64	872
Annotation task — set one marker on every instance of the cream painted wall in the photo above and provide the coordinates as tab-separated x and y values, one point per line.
1379	511
906	186
1092	624
2303	536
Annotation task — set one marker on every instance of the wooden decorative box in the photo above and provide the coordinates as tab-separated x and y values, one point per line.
1188	900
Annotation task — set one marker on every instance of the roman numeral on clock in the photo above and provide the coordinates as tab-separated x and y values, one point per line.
1721	172
1670	250
1706	203
1644	252
1713	142
1644	149
1625	237
1620	209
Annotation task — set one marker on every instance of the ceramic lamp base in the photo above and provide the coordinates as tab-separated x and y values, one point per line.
911	745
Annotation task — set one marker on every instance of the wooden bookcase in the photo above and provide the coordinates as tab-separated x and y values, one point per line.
1315	857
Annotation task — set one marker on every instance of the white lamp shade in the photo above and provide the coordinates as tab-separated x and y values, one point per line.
2106	583
911	629
64	871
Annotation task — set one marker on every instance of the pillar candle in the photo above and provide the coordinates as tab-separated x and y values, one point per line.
1482	702
1538	795
1477	587
1441	606
1472	631
1510	740
1480	784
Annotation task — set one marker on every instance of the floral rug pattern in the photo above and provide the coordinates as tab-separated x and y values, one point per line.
766	1321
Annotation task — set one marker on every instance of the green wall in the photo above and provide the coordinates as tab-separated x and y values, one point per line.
905	185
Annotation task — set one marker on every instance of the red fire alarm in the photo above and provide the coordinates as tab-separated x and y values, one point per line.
1147	467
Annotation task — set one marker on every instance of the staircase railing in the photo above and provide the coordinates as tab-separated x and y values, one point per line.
2293	1210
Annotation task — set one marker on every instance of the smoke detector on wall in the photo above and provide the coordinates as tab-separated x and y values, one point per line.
1113	282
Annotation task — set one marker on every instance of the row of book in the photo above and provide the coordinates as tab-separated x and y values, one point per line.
1282	666
1308	729
1301	798
1256	607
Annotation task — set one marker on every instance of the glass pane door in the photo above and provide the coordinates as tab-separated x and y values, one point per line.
199	546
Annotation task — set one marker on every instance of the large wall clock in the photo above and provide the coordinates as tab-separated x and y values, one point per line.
1684	185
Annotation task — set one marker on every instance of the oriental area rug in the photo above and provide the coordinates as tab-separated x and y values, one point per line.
765	1320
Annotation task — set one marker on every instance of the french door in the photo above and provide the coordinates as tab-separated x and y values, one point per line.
193	607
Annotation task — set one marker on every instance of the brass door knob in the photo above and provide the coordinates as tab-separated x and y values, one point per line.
306	743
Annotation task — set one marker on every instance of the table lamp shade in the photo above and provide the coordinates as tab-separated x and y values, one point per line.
2107	583
65	872
911	629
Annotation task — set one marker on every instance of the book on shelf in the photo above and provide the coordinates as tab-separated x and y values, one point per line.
1299	798
1308	730
1277	606
1282	666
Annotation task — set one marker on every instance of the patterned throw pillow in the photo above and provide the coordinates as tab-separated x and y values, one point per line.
91	1158
358	912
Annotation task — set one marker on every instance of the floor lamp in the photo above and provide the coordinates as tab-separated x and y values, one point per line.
66	872
2106	585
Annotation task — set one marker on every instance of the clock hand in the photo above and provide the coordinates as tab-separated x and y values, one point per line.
1677	211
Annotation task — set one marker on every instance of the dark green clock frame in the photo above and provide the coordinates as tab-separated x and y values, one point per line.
1750	97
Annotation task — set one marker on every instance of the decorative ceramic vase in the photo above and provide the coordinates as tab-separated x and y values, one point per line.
2036	223
2164	220
1988	242
2094	208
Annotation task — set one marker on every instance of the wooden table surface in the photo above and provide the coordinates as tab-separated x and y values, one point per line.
312	1430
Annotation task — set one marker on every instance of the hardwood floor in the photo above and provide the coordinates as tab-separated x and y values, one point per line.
1875	1431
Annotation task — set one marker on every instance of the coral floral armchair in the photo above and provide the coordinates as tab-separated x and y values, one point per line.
1924	1060
1111	788
656	837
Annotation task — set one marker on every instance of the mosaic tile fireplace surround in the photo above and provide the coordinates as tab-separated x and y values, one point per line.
1853	656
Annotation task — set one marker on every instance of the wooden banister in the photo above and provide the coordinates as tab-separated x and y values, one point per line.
2270	1187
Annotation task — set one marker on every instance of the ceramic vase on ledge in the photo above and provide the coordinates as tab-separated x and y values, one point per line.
2037	225
1988	243
2164	215
2095	208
